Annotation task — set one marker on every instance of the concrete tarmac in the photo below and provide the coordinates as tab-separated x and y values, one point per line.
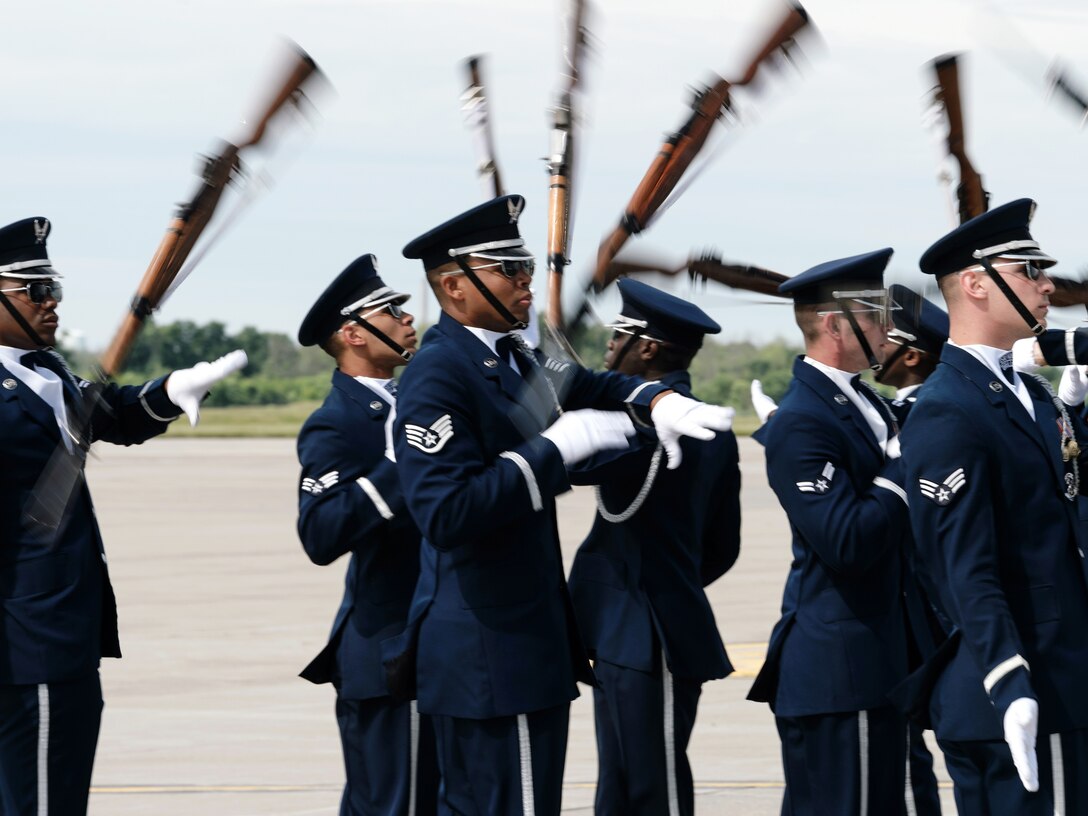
220	609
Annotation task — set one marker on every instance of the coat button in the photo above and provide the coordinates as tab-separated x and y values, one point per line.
375	405
10	384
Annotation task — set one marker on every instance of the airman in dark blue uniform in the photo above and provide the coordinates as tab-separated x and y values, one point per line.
659	538
919	331
839	647
58	615
350	502
485	431
993	465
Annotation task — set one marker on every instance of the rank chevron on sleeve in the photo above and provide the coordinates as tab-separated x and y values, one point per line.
430	439
943	492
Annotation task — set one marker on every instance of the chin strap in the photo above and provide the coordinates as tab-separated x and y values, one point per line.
1036	327
844	306
35	338
504	313
385	338
895	355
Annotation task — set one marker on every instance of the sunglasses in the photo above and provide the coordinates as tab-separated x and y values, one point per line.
511	267
1025	268
394	309
40	291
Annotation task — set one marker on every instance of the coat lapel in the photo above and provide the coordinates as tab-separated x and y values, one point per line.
370	402
1001	396
836	400
527	407
12	389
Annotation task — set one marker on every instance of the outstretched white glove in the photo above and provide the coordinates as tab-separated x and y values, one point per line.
389	453
1021	724
1073	385
1023	355
764	405
580	434
893	449
188	386
675	415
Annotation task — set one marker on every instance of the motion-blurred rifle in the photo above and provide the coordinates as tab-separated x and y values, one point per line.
972	197
477	117
60	476
561	163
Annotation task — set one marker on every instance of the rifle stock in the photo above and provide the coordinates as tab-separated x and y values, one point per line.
972	197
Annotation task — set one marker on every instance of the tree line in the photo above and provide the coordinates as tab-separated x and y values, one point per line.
280	371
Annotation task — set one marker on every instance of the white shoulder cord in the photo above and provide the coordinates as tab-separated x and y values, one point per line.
644	491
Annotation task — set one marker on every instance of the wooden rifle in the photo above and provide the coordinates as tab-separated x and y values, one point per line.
478	119
194	216
58	480
972	197
560	164
681	148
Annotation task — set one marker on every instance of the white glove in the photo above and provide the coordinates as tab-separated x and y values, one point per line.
188	386
1021	725
580	434
892	449
1073	385
389	453
675	415
764	405
1023	355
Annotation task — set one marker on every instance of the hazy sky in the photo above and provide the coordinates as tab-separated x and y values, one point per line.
108	103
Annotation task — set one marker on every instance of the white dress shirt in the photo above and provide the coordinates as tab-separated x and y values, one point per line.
843	379
43	382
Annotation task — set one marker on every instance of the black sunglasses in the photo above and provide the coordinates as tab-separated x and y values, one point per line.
40	291
511	267
394	309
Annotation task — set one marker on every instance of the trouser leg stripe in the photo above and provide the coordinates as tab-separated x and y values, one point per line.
1058	773
525	752
863	760
43	749
413	756
908	788
670	737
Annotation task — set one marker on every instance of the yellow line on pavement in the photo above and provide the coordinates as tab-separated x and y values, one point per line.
747	658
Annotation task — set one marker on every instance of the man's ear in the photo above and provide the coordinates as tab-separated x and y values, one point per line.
648	350
971	284
451	286
354	335
831	325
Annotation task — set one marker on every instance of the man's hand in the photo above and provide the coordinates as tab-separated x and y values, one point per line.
580	434
1026	357
675	415
188	386
1073	385
764	405
1021	725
